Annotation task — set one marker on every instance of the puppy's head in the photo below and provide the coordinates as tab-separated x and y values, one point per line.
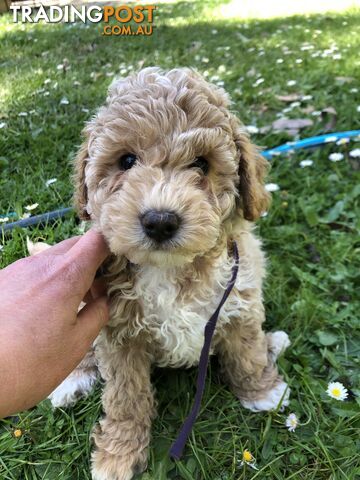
165	167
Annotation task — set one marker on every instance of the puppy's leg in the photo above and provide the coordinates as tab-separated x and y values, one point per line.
122	436
247	358
78	384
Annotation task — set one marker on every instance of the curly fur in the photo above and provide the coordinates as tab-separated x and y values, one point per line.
161	298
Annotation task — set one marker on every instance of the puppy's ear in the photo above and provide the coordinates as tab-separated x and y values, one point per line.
254	199
80	194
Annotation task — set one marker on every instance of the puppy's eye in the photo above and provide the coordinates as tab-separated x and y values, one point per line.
202	163
127	161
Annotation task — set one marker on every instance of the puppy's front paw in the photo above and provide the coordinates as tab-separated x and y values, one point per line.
78	384
270	400
278	342
106	466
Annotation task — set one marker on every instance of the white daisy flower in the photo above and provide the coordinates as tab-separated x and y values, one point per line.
298	60
258	82
336	157
4	219
355	153
280	60
337	390
291	422
76	84
60	66
291	83
343	141
264	214
252	129
47	81
64	101
272	187
22	114
295	104
2	125
50	181
358	108
214	31
354	90
306	163
306	98
25	215
205	60
330	139
31	207
316	113
248	459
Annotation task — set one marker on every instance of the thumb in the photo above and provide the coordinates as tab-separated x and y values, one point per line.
92	318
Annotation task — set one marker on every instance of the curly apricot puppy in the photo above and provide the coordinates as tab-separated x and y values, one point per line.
167	173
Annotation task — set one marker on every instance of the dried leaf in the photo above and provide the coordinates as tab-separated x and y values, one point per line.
308	109
329	114
292	97
291	126
343	80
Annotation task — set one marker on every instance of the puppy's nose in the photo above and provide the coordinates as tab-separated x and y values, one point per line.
160	225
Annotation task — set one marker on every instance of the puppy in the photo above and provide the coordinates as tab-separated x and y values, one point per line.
167	173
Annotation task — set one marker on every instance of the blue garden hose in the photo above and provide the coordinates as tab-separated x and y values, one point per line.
45	218
310	142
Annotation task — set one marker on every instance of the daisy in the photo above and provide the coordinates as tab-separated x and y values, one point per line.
258	82
2	125
17	433
64	101
4	219
291	83
355	153
272	187
50	181
337	390
358	108
25	215
280	60
252	129
22	114
306	163
31	207
343	141
336	157
291	422
248	459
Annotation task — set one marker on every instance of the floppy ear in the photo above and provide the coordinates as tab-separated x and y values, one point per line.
254	199
80	194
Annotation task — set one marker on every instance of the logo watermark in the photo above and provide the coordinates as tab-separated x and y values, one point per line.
120	20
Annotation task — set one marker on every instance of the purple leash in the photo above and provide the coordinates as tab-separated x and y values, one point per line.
177	447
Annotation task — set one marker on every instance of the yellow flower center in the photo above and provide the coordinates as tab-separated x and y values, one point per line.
247	457
336	392
17	433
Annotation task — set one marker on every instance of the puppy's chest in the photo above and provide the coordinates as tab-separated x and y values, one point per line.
174	321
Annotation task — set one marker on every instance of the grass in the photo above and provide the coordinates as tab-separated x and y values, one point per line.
310	234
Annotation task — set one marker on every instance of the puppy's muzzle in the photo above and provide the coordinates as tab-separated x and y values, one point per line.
160	225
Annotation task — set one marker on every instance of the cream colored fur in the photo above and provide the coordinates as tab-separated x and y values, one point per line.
161	296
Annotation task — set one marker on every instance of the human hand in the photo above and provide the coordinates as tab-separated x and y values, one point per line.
43	337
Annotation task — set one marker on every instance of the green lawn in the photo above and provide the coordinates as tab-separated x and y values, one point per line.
53	77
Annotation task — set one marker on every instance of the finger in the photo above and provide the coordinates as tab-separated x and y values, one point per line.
89	252
97	289
92	318
61	247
